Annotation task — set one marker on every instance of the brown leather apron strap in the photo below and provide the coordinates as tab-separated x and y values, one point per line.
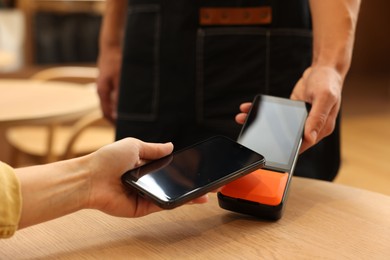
235	15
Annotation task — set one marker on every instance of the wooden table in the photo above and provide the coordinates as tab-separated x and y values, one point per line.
322	221
42	102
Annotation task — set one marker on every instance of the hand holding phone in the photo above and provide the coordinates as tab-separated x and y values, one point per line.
192	172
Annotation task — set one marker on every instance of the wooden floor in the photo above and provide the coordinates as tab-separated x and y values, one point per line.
366	134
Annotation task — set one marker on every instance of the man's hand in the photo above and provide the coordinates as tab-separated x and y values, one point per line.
109	64
321	87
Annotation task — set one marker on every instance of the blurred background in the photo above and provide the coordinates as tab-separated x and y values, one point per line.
37	34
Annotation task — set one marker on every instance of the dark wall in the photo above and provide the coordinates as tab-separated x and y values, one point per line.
66	38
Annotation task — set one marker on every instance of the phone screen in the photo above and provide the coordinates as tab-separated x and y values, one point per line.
274	128
191	172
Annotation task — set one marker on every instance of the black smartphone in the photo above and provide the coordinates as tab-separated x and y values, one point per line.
193	171
274	127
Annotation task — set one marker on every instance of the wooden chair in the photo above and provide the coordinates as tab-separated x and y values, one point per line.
48	143
67	73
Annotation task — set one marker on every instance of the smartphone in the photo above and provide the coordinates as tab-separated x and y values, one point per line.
274	127
193	171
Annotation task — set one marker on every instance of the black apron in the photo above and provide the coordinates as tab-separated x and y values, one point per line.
183	80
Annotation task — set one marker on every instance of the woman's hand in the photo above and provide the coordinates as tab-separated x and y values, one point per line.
107	193
53	190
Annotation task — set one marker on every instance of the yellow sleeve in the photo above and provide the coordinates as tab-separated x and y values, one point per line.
10	201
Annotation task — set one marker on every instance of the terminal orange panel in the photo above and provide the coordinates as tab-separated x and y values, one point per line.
261	186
